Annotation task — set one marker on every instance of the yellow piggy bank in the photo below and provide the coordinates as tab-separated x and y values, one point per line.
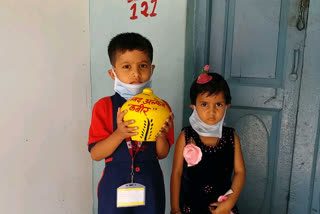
149	113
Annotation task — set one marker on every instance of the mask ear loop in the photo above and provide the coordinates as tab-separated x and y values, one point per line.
151	71
114	73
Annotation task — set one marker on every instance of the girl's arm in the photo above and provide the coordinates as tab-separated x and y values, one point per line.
107	146
176	173
162	144
239	172
238	180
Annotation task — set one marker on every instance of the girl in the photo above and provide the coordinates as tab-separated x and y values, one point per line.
207	153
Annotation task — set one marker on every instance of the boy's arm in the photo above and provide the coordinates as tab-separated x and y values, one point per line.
162	142
107	146
238	178
176	173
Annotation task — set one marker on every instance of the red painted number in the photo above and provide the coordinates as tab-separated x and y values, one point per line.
145	11
134	11
154	8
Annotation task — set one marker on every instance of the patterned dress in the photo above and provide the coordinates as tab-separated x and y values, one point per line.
203	183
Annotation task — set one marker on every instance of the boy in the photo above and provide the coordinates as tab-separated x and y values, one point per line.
109	136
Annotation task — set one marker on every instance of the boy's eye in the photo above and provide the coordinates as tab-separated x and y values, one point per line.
204	104
126	66
219	104
143	66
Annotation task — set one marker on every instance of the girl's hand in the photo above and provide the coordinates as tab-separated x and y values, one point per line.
166	126
221	208
122	126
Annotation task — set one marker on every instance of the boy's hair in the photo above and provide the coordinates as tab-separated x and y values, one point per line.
129	41
216	85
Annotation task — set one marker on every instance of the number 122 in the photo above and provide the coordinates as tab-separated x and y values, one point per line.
144	6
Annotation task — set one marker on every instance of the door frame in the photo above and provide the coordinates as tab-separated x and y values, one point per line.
303	184
197	46
305	175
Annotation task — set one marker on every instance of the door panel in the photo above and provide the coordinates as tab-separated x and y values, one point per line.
257	129
255	23
254	154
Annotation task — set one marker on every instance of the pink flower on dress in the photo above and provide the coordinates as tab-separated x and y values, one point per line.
206	68
192	154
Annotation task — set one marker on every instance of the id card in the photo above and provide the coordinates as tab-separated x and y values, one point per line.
131	195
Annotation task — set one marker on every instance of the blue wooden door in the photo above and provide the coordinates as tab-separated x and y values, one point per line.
256	46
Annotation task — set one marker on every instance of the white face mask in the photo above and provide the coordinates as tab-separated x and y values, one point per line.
128	91
204	129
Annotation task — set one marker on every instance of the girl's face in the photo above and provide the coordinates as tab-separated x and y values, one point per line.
132	67
211	108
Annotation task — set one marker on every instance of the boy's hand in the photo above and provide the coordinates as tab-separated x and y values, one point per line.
122	126
166	126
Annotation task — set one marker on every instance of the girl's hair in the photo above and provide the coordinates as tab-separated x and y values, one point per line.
216	85
129	41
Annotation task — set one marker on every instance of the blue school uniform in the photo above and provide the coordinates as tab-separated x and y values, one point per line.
117	170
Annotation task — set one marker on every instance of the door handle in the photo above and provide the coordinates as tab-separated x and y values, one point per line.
296	59
301	22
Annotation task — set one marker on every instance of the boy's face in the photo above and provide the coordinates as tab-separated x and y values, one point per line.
211	108
132	67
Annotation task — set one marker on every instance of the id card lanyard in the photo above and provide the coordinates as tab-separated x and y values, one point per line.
133	154
131	194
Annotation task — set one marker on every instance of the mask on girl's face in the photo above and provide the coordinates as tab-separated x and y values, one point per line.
204	129
128	91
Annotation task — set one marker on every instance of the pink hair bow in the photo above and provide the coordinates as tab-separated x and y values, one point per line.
204	77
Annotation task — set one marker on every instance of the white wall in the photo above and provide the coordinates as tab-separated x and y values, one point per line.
44	107
166	31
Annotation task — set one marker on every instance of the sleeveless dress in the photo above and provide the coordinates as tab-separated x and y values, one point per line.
203	183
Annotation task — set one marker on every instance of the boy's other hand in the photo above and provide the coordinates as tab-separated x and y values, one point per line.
122	126
166	126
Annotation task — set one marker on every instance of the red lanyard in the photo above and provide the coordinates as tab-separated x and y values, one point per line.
130	148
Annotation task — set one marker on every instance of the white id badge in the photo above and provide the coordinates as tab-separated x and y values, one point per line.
131	195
